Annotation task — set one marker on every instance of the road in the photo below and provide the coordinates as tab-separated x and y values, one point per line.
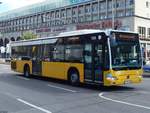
38	95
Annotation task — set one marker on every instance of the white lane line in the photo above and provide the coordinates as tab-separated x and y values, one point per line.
34	106
23	78
65	89
126	103
143	92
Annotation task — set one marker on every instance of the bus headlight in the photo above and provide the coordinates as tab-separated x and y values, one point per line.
110	77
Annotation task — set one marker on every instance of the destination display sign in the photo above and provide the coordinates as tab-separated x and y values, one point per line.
126	37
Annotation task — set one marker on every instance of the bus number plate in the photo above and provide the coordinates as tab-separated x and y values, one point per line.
127	82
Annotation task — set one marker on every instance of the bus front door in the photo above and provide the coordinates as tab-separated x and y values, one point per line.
93	63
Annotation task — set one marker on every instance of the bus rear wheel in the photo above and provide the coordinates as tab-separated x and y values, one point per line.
27	71
74	78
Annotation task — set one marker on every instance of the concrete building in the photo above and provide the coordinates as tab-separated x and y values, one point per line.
50	18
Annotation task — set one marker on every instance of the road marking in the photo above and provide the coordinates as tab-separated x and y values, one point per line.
122	102
34	106
144	92
23	78
10	95
66	89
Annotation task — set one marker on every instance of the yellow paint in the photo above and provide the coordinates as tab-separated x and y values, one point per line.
59	70
20	65
132	76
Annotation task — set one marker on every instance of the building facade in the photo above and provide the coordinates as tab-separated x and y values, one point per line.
51	18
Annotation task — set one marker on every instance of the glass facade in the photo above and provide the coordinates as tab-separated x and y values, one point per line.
49	14
52	17
40	7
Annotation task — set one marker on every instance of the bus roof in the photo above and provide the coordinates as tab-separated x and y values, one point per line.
120	31
80	32
46	40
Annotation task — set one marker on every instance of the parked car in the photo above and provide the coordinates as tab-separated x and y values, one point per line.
146	68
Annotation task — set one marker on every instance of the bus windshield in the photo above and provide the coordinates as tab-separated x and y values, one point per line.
126	54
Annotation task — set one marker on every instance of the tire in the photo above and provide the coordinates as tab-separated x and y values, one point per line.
27	71
74	78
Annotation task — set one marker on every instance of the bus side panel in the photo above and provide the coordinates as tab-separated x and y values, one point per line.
79	67
20	65
59	70
54	70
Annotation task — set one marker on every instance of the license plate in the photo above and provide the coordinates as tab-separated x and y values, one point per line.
127	82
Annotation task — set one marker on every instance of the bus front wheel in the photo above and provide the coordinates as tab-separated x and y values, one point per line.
74	77
26	71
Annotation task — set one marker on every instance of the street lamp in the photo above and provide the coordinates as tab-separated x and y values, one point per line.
113	17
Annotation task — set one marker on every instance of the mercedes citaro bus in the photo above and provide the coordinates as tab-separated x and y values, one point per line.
109	58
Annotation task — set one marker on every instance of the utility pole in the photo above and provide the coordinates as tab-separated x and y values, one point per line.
113	16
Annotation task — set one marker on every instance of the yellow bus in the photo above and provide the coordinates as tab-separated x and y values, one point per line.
108	58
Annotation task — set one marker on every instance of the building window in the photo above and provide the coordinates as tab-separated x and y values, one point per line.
74	20
110	5
148	32
68	21
129	2
69	14
142	32
129	12
43	18
57	18
109	15
87	18
103	15
74	11
88	8
81	19
63	13
119	13
57	14
95	17
95	7
102	6
120	4
53	15
81	10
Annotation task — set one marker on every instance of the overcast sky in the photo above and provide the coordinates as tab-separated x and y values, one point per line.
13	4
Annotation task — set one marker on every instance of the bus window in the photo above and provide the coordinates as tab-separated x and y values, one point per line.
36	52
58	53
46	52
74	53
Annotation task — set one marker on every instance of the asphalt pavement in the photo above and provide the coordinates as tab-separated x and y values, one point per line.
41	95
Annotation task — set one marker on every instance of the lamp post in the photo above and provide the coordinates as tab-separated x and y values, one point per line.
113	17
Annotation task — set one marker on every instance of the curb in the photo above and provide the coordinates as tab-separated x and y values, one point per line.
6	63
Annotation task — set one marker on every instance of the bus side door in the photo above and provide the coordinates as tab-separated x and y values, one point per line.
36	59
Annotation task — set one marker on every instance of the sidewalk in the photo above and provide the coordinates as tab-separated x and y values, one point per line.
2	61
